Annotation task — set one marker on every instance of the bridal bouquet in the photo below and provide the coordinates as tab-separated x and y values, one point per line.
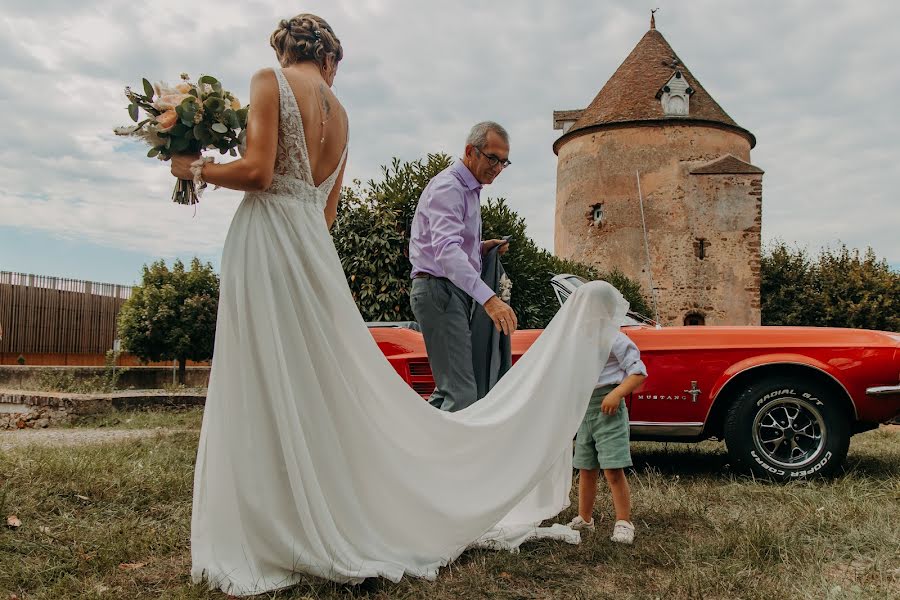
186	119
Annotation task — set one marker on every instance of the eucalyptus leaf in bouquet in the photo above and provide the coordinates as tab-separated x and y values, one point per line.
186	119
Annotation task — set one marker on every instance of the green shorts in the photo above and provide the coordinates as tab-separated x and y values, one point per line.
603	440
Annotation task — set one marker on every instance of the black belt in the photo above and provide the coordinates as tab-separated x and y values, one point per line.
428	276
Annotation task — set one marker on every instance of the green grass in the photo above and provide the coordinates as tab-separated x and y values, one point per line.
702	532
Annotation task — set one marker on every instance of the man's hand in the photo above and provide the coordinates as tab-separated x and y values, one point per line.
486	245
610	404
502	315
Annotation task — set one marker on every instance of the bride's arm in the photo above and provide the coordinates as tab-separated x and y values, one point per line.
334	197
254	171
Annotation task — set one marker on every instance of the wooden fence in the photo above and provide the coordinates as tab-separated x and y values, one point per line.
40	314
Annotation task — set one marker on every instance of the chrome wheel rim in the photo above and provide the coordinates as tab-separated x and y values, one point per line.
789	432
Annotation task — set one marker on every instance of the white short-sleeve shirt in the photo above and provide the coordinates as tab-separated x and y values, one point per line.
624	360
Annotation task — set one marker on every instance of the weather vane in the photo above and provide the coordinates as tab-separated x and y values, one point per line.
653	18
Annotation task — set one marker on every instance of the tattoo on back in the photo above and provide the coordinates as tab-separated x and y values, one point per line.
326	105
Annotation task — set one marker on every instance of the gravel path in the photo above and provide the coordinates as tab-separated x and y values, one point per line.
76	437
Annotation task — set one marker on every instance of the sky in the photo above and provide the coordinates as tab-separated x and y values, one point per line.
816	82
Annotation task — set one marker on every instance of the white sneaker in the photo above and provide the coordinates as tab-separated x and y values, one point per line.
623	532
578	523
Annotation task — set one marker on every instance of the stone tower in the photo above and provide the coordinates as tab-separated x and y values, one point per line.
702	199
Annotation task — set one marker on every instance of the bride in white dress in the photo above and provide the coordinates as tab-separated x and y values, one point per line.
315	456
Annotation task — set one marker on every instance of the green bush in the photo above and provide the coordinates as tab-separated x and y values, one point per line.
840	287
172	314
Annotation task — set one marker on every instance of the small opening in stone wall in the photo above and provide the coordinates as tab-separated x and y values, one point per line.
701	248
597	214
694	319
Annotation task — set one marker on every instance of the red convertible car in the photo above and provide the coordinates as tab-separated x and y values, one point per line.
785	399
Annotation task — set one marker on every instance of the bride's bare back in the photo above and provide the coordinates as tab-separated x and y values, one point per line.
324	119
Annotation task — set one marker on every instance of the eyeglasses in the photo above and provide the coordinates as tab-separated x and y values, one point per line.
493	160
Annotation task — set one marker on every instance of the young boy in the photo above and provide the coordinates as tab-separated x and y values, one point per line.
603	439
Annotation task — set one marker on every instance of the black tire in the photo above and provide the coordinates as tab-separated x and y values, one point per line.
788	428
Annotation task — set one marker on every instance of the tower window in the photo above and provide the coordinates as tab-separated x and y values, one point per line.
701	248
597	214
675	96
694	319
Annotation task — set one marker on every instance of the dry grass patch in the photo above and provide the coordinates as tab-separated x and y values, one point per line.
175	418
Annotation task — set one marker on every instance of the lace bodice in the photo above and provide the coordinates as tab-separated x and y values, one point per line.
293	174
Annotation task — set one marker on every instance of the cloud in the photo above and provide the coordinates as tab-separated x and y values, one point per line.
815	82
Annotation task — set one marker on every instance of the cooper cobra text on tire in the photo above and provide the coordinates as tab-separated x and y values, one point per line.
788	428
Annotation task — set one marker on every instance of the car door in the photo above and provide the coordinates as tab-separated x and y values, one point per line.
671	402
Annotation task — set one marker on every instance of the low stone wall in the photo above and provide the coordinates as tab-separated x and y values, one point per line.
23	409
38	418
28	377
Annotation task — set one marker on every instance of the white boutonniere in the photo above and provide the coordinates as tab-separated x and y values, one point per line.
505	288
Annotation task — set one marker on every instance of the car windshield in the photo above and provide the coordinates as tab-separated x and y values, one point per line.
631	319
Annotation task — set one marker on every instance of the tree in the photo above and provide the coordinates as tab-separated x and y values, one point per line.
787	277
404	182
840	288
172	314
371	242
857	290
372	237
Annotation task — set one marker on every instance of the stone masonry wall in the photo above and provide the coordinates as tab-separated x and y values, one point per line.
680	209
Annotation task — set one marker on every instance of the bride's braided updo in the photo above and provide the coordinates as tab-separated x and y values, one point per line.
305	37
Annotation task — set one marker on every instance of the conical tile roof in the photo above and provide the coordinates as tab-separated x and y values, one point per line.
632	94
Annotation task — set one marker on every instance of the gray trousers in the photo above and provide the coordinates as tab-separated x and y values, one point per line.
442	311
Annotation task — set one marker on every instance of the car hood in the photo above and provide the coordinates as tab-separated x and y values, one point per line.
763	336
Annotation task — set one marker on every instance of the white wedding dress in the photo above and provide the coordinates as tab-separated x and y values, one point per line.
316	457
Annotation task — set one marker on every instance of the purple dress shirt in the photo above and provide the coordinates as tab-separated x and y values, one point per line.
445	240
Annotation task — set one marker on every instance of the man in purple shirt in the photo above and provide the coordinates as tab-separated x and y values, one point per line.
445	249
